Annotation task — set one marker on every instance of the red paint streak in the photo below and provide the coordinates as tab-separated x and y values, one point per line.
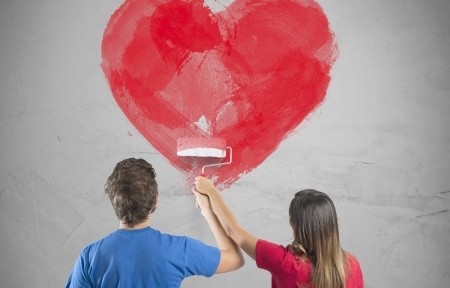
249	74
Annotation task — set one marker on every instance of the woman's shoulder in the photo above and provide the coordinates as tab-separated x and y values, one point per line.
282	262
351	258
284	255
355	276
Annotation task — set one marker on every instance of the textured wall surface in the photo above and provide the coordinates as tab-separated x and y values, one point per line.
379	145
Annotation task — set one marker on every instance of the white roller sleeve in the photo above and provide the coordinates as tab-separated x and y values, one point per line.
201	147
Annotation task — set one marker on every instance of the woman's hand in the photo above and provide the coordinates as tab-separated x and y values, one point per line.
204	186
202	202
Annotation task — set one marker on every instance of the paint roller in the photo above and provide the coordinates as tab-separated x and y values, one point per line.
205	147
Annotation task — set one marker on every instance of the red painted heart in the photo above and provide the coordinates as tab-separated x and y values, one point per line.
250	74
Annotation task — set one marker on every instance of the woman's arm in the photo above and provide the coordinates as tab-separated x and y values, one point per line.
243	238
230	255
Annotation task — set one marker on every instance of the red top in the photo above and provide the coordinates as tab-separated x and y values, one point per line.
289	271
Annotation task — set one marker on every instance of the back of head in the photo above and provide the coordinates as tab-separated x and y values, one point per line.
133	190
316	236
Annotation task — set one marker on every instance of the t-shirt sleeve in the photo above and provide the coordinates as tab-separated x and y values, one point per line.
269	256
78	276
201	259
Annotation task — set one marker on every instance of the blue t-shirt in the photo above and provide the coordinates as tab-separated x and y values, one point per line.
142	258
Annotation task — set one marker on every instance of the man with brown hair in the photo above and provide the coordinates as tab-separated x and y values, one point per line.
137	255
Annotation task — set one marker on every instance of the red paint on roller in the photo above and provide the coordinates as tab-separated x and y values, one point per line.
249	74
189	143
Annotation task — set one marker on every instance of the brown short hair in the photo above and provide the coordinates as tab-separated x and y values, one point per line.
132	189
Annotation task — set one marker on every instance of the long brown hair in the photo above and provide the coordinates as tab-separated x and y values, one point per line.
316	236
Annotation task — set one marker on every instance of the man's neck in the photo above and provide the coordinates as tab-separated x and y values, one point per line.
141	225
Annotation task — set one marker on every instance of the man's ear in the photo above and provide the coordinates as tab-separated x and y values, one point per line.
154	206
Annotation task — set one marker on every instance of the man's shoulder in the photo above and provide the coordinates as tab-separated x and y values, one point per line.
94	245
185	242
176	239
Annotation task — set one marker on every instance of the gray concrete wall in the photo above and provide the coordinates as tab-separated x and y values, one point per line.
379	145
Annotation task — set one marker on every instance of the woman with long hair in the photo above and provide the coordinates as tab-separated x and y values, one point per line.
314	258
